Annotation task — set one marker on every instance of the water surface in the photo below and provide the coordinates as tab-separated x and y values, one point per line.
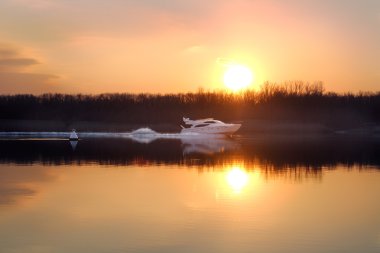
256	194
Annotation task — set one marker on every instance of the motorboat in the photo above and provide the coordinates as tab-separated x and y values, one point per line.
209	126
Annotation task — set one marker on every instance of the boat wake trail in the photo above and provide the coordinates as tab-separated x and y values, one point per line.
190	142
142	135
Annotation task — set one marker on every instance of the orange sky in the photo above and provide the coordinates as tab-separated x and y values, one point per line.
94	46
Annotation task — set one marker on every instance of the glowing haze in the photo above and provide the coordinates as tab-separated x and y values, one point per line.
95	46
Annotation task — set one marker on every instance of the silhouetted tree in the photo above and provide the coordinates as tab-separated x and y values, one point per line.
297	101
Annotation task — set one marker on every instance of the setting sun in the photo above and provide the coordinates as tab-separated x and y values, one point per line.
237	77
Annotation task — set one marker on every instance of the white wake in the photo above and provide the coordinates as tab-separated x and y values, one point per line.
143	135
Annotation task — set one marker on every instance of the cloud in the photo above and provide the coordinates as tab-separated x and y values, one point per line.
11	58
15	75
20	62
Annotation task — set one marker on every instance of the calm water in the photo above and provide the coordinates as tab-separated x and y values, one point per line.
258	194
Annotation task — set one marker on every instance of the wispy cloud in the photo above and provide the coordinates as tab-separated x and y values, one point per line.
12	57
19	62
15	75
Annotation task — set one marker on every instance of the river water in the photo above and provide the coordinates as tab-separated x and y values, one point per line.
241	194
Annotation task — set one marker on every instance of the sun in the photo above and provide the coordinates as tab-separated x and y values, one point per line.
237	77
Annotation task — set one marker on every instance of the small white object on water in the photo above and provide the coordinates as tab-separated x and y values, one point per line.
73	136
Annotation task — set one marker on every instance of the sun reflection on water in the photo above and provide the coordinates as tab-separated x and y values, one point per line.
237	178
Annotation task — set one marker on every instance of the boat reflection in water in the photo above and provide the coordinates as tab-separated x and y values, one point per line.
208	145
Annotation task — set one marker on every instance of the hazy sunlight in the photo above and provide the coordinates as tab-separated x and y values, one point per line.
237	77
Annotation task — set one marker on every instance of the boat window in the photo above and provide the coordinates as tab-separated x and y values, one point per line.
210	122
201	125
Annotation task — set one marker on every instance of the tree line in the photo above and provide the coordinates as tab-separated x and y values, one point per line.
295	101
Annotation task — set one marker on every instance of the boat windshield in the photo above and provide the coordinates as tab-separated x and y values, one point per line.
201	125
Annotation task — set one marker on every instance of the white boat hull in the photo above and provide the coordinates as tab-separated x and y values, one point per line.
226	129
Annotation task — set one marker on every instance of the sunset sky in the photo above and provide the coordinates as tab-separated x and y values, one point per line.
95	46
